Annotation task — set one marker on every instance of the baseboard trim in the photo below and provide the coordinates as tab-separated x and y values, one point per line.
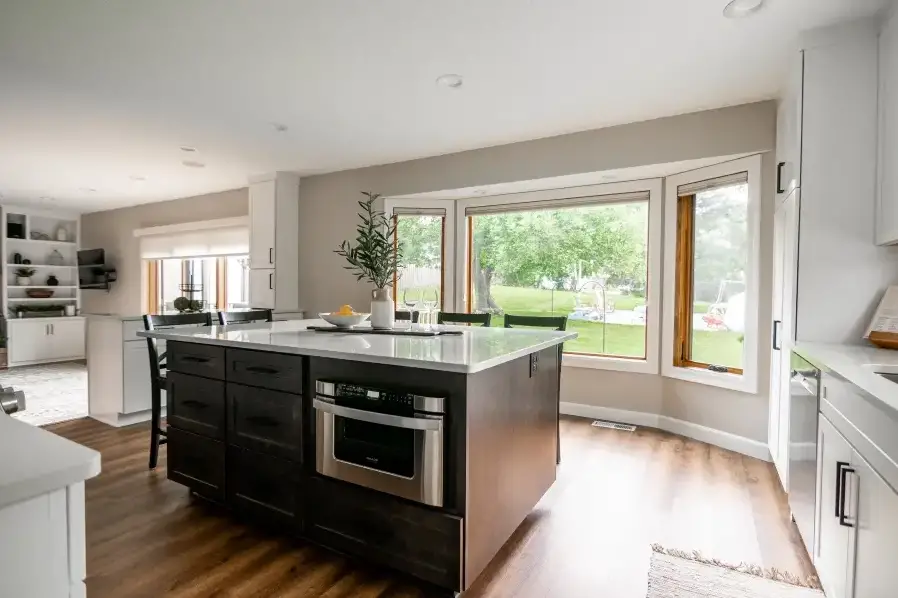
726	440
119	420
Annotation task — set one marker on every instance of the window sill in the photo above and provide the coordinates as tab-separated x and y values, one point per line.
740	383
601	362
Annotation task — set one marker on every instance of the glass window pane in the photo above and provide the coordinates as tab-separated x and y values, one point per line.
170	279
421	277
719	267
587	263
238	281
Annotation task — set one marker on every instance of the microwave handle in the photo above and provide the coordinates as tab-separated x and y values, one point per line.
384	419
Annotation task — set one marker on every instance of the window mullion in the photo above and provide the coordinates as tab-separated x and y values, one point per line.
684	285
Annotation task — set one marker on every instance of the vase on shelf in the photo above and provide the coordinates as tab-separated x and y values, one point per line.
383	311
52	281
23	281
62	234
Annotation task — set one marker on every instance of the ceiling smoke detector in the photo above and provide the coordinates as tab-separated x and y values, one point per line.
738	9
193	164
451	81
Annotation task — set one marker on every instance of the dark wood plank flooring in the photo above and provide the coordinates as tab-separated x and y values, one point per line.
616	494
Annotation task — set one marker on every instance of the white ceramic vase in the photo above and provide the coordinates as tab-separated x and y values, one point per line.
383	311
23	281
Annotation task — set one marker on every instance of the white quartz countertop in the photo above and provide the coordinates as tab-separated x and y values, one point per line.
36	461
476	349
859	365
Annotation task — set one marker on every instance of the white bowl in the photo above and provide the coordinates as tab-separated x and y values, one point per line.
343	321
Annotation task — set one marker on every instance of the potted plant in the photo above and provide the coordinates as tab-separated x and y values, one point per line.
23	276
374	258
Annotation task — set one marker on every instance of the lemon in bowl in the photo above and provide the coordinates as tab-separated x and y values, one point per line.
345	317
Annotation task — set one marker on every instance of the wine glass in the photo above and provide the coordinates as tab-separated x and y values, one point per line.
411	298
430	297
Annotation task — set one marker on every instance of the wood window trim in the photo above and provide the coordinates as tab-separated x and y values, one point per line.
153	286
221	283
684	292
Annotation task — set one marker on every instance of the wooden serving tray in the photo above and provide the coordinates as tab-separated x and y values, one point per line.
884	340
391	332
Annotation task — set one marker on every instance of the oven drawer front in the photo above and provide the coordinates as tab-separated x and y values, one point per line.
196	404
264	487
265	420
266	370
195	359
417	540
197	462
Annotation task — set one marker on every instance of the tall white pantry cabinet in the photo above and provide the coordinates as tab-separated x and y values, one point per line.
274	242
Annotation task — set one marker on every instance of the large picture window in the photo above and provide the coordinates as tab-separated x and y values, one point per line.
422	233
221	283
586	259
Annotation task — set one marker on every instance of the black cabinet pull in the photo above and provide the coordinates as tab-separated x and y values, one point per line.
194	403
779	177
195	359
776	327
263	420
843	483
260	369
271	255
839	466
271	282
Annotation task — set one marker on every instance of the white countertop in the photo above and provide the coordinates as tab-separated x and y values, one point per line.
858	364
476	349
36	461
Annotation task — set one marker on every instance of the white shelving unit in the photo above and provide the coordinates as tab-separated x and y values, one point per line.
54	253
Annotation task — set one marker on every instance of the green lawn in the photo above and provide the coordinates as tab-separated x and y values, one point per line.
717	347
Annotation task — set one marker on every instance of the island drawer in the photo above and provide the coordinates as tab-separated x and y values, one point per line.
195	359
418	540
197	462
274	371
264	487
196	404
265	420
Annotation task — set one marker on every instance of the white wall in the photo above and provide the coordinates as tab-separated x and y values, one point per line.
328	215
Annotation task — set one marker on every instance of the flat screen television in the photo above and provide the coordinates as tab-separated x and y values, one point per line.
91	257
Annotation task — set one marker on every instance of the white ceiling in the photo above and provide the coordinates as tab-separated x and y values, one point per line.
97	91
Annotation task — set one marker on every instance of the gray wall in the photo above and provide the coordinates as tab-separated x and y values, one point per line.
113	230
328	215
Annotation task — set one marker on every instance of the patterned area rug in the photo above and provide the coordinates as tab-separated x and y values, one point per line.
53	393
679	574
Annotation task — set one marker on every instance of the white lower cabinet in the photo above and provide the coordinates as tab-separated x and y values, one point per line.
857	533
832	537
262	288
136	391
874	513
45	340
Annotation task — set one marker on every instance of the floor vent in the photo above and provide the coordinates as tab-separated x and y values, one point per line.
600	423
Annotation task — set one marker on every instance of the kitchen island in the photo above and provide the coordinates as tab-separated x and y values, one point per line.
423	454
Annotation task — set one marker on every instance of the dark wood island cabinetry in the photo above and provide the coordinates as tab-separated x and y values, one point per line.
243	433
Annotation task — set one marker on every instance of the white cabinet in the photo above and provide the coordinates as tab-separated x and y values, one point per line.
263	224
831	555
789	130
874	512
887	195
262	288
274	243
45	340
136	391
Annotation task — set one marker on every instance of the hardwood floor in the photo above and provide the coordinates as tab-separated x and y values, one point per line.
616	494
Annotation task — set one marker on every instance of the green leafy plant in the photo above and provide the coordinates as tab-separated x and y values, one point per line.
25	272
374	257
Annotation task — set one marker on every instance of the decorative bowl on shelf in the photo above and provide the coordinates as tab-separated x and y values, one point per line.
343	320
39	293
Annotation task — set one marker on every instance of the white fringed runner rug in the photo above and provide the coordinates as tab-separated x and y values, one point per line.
679	574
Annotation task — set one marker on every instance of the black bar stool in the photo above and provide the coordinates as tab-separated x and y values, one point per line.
226	318
406	316
158	436
447	317
554	322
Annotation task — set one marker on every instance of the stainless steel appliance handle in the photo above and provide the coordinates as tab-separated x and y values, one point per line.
410	423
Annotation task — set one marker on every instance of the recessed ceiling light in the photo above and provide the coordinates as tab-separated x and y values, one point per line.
738	9
137	177
187	148
279	127
450	80
193	164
